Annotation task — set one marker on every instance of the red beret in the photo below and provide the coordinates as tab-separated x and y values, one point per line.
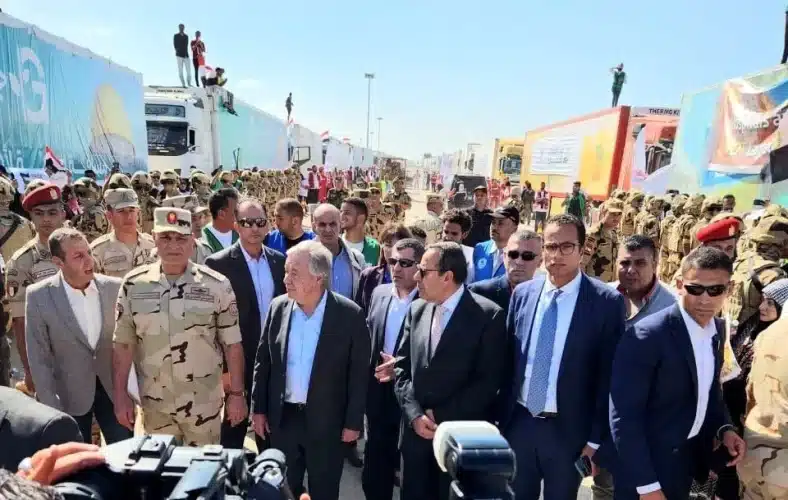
48	193
723	229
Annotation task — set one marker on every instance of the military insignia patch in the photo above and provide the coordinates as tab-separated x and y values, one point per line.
233	309
53	194
172	218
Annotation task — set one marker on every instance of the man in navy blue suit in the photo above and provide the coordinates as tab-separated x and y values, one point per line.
565	327
666	400
488	255
521	258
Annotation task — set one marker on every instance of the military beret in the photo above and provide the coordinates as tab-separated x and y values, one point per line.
44	195
722	229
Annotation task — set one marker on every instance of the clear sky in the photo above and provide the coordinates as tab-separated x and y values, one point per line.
447	72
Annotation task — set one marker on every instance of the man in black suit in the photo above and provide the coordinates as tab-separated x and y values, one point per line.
372	277
448	364
387	310
665	393
27	426
256	274
311	373
522	256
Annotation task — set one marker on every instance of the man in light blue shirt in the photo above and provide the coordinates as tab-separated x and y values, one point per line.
304	335
347	262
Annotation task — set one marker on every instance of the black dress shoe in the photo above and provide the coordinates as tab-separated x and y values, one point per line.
352	455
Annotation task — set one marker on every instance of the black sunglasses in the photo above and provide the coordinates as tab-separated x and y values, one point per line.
525	255
249	221
405	263
712	290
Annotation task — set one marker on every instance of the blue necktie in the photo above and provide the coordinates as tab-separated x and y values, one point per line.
543	356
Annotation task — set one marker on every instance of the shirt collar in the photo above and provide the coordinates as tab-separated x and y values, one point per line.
694	327
321	307
91	287
647	297
570	288
450	304
249	258
410	296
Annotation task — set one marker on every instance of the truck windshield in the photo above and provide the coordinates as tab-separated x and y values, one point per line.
167	138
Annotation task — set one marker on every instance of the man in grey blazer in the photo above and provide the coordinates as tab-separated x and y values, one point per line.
70	319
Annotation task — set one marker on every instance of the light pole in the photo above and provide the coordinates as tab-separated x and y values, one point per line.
379	120
369	77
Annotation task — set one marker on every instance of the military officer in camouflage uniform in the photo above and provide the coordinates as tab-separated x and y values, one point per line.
142	184
711	206
376	220
337	195
632	208
32	263
15	230
92	222
642	212
601	247
756	268
171	183
201	187
515	200
124	248
665	226
189	202
432	223
680	237
399	198
648	224
177	321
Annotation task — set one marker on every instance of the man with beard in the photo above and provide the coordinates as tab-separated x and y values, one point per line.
352	221
488	256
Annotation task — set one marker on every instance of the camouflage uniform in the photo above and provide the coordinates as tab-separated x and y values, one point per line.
23	229
665	227
642	212
680	237
30	264
601	248
632	207
377	221
337	196
401	202
710	207
177	332
516	202
92	222
142	185
744	240
648	224
172	188
757	268
201	187
431	224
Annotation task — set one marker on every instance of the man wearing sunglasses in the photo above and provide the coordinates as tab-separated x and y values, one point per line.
488	256
522	257
256	273
665	395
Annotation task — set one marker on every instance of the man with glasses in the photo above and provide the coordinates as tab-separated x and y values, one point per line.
564	323
177	323
488	256
257	272
522	258
387	310
665	394
449	364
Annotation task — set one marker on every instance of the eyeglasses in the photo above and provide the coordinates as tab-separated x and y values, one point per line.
423	270
249	221
405	263
712	290
565	248
525	255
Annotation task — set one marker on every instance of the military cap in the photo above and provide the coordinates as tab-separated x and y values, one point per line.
770	230
721	229
226	177
434	197
121	198
201	177
185	201
614	206
711	202
169	219
170	175
118	180
636	195
7	187
141	177
43	195
775	209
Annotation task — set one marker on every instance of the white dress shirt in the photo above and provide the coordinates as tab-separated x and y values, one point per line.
395	316
87	309
448	305
703	352
262	279
468	252
566	308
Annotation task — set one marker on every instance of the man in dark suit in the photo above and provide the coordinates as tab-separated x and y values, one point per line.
448	364
522	256
564	327
27	426
256	274
371	277
388	307
666	398
311	373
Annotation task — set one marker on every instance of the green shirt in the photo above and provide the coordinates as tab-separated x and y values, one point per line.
619	77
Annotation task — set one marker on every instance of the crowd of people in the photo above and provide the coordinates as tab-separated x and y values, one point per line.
644	344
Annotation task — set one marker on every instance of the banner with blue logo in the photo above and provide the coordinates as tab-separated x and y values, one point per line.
88	110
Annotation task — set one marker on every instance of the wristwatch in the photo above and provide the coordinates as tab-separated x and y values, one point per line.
241	393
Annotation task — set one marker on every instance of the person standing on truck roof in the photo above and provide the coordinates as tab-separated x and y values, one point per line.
181	43
619	79
289	105
198	55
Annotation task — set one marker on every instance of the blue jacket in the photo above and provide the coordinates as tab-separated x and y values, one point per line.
276	240
483	259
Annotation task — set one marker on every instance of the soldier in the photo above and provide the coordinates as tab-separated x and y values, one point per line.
177	321
648	224
32	263
432	224
632	207
201	186
142	184
711	206
721	233
337	195
744	241
377	219
680	237
676	210
642	212
117	180
515	200
171	183
124	248
92	222
189	202
399	198
756	268
601	247
15	230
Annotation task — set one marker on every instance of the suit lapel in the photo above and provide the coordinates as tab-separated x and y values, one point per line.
282	339
64	312
684	345
104	304
380	341
326	332
243	273
523	325
583	311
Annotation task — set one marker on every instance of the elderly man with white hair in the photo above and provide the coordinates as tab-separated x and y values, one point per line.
311	373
